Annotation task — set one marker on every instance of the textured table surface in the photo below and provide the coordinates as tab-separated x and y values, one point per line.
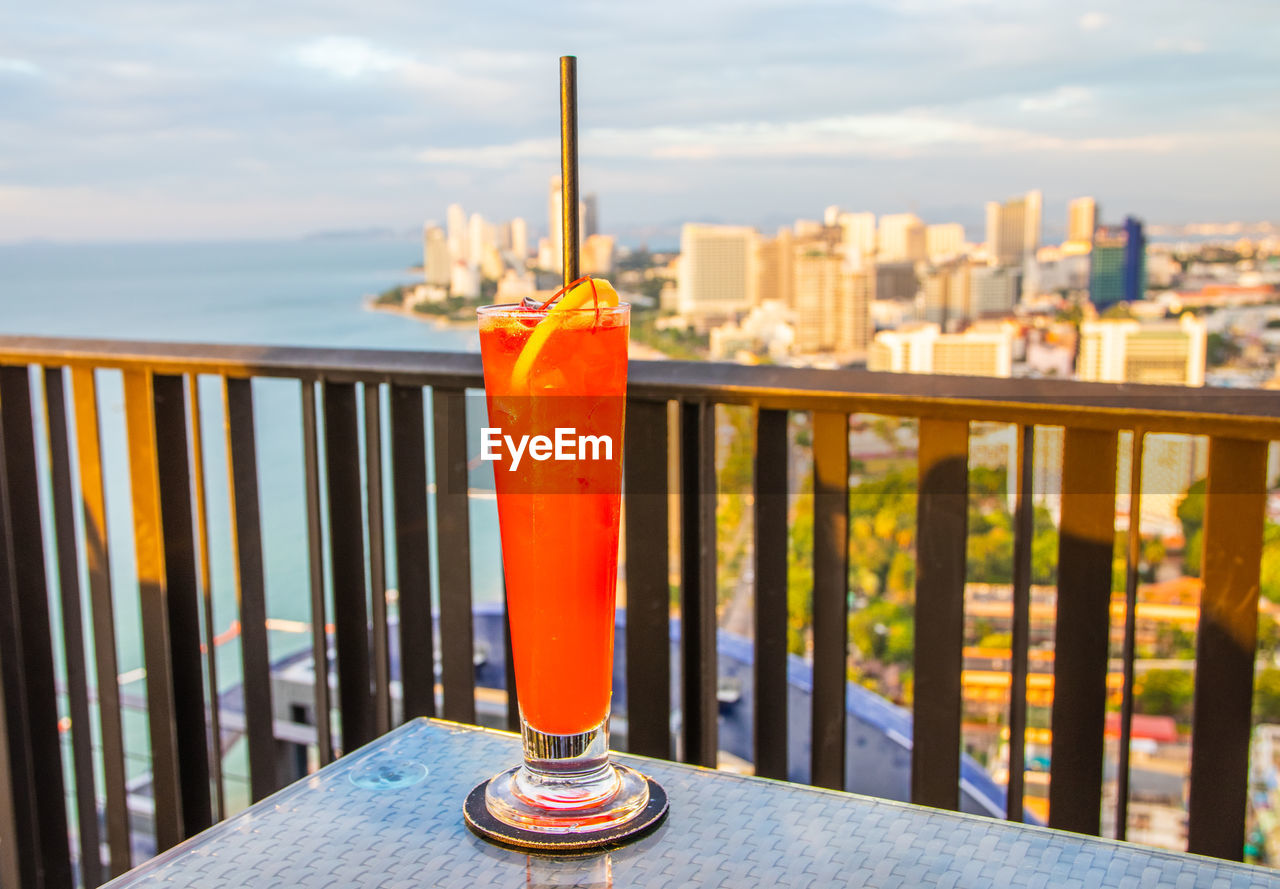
390	815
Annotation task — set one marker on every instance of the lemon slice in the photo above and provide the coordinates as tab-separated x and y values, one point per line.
581	295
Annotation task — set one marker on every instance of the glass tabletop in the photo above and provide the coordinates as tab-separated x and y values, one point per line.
390	815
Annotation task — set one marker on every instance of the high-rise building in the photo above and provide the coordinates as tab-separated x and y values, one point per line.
481	238
597	255
1119	264
555	223
858	239
944	295
1082	219
717	270
831	306
456	220
896	280
520	240
831	215
775	276
944	241
985	351
590	216
436	261
902	238
993	290
1123	350
1013	229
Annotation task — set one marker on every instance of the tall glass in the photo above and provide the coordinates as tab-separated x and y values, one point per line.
555	383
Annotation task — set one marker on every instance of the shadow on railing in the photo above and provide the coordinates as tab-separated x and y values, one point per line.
54	524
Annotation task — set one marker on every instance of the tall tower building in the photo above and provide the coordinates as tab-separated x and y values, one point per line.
481	238
831	306
555	232
1082	219
858	239
520	240
944	241
902	238
1013	229
775	276
456	220
436	261
717	270
590	216
1118	272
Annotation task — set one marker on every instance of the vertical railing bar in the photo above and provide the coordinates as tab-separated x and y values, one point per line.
453	540
1086	549
206	596
25	731
413	551
830	597
97	554
770	552
1024	528
315	576
246	550
12	800
72	625
149	556
182	591
1133	555
346	552
1227	647
377	558
941	536
648	570
698	583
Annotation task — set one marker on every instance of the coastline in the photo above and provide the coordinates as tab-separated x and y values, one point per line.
635	350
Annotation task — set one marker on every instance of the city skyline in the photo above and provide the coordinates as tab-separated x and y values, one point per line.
176	120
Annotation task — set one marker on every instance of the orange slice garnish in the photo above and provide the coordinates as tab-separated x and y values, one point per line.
581	292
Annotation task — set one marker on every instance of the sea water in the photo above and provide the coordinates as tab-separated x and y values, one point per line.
289	293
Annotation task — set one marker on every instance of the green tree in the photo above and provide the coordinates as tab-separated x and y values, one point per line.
1164	693
1266	696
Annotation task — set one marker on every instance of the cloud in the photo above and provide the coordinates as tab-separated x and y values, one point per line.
348	58
463	79
1057	100
910	133
1094	21
1188	46
20	67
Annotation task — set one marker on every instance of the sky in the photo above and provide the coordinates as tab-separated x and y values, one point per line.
171	119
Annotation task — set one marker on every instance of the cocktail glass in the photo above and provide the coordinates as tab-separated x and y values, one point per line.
560	374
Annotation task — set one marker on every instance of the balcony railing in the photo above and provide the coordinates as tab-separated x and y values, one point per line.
53	512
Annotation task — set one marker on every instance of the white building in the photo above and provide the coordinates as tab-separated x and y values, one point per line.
1123	350
944	241
858	239
982	350
717	270
456	220
520	240
436	261
993	290
1013	229
901	238
464	281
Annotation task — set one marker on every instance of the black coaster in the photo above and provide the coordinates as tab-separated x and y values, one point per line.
487	827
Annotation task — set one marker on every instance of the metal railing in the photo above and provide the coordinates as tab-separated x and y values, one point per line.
340	428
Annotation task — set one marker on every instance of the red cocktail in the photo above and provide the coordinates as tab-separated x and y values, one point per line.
555	381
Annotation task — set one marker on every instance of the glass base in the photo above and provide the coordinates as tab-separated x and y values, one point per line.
566	785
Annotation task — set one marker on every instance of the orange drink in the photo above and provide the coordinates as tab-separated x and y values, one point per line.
559	517
555	378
